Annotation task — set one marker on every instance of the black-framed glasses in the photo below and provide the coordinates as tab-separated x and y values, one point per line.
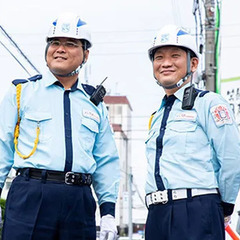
68	44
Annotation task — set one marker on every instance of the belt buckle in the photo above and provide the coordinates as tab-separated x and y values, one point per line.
70	178
160	197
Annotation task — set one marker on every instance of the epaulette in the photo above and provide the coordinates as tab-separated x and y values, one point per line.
32	79
89	89
203	93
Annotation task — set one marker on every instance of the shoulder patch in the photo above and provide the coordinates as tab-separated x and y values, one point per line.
33	78
221	115
89	89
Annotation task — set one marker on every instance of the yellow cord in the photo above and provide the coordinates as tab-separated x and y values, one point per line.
17	129
150	121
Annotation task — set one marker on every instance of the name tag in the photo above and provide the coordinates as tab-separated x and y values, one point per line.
187	116
91	115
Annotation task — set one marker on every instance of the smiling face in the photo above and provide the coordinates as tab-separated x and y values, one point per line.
65	55
170	65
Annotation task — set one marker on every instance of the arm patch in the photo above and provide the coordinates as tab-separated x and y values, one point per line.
221	115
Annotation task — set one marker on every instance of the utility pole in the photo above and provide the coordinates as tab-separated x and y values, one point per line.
210	64
130	225
129	179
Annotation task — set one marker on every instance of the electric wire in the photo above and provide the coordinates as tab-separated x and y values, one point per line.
19	50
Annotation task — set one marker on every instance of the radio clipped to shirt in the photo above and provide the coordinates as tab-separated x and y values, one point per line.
99	93
189	97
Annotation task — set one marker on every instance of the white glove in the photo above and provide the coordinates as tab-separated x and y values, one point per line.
227	220
108	228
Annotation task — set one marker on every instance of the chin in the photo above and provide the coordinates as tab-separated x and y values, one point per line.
167	83
58	72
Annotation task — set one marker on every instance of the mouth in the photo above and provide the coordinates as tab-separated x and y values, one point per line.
60	57
167	71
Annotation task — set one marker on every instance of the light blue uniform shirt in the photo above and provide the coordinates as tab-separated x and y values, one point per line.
201	147
92	142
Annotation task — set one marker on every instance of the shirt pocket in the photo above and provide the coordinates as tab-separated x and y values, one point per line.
90	124
183	126
32	120
182	133
88	130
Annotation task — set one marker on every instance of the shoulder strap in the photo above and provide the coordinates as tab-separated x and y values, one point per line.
97	94
202	93
31	79
89	89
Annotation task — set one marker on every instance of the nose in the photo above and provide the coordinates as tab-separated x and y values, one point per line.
166	62
61	48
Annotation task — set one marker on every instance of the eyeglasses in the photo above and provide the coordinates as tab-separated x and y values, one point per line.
67	44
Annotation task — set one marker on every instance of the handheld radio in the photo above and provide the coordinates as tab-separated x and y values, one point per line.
99	93
189	97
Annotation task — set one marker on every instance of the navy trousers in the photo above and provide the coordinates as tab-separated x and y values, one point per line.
197	218
38	210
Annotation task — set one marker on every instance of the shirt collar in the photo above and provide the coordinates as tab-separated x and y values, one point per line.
51	80
178	94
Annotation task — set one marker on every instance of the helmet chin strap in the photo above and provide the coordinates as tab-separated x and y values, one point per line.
178	84
74	72
182	80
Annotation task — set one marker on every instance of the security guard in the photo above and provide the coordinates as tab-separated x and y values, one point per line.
193	149
60	142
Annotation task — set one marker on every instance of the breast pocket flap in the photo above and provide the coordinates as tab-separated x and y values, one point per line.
38	116
183	126
90	124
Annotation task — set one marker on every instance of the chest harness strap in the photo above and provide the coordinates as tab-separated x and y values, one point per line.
16	132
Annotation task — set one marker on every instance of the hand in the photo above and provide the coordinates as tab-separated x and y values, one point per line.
227	220
108	228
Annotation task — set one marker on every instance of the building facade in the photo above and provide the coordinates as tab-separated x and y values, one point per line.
120	111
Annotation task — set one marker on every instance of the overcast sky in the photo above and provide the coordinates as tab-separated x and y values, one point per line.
122	32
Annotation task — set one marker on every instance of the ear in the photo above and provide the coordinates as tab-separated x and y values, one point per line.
194	64
86	54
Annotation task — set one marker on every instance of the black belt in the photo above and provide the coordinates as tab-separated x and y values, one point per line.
69	178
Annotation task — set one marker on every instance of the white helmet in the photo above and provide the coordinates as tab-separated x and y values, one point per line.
172	35
71	26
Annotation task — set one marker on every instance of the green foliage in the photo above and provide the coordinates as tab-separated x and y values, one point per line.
2	204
